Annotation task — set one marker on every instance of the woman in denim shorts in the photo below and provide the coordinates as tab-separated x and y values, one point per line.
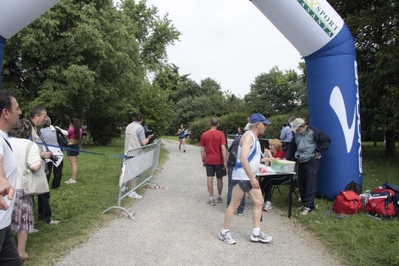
74	135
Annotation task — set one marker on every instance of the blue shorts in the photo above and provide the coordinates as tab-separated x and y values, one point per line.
245	185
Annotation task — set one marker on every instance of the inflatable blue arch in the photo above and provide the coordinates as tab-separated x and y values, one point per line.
316	30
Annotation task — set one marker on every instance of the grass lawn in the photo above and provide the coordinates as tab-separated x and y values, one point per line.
357	238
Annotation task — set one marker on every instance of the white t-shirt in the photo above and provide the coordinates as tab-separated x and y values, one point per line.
10	170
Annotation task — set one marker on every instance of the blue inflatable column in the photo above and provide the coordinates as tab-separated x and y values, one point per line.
333	97
316	30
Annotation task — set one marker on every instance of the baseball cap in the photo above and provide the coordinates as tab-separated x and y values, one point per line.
259	118
297	123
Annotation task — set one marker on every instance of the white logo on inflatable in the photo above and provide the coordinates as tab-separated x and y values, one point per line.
338	105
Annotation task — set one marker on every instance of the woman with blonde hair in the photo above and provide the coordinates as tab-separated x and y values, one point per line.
275	151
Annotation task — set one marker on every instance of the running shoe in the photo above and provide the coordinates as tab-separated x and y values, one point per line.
306	211
261	238
226	238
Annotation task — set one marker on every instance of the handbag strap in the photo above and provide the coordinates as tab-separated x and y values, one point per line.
40	136
8	143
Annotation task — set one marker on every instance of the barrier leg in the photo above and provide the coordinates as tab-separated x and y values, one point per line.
131	216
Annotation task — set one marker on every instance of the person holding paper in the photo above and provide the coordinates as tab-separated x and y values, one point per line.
275	152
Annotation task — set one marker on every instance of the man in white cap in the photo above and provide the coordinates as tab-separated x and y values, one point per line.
244	174
306	147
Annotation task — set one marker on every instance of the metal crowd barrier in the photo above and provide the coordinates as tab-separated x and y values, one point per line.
141	163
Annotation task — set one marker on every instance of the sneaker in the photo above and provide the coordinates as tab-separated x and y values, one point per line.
124	189
240	213
212	202
70	181
219	200
226	238
301	208
34	230
268	206
53	222
134	195
306	211
184	151
261	238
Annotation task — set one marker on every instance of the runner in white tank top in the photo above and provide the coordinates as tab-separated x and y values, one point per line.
254	160
244	175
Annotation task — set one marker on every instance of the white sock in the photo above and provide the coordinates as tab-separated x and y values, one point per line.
256	231
211	198
224	231
219	196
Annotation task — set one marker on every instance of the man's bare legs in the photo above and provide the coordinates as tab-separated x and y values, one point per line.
257	199
212	200
210	186
220	185
235	202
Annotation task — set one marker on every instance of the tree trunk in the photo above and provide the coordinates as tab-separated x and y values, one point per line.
390	144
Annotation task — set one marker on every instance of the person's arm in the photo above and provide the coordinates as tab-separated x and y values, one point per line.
224	153
34	161
63	131
146	140
322	139
283	134
143	139
203	153
5	187
246	144
291	150
267	158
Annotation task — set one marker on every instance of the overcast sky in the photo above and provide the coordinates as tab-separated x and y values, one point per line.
230	41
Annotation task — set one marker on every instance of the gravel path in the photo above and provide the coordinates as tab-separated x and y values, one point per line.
175	226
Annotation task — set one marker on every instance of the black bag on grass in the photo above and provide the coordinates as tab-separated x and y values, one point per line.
355	187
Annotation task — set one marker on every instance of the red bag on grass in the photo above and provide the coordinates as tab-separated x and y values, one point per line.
347	202
381	202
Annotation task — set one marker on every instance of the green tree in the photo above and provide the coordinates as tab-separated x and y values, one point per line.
87	59
209	86
276	92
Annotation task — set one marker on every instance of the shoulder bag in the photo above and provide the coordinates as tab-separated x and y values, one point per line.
34	183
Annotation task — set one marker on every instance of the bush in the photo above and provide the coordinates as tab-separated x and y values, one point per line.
229	124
